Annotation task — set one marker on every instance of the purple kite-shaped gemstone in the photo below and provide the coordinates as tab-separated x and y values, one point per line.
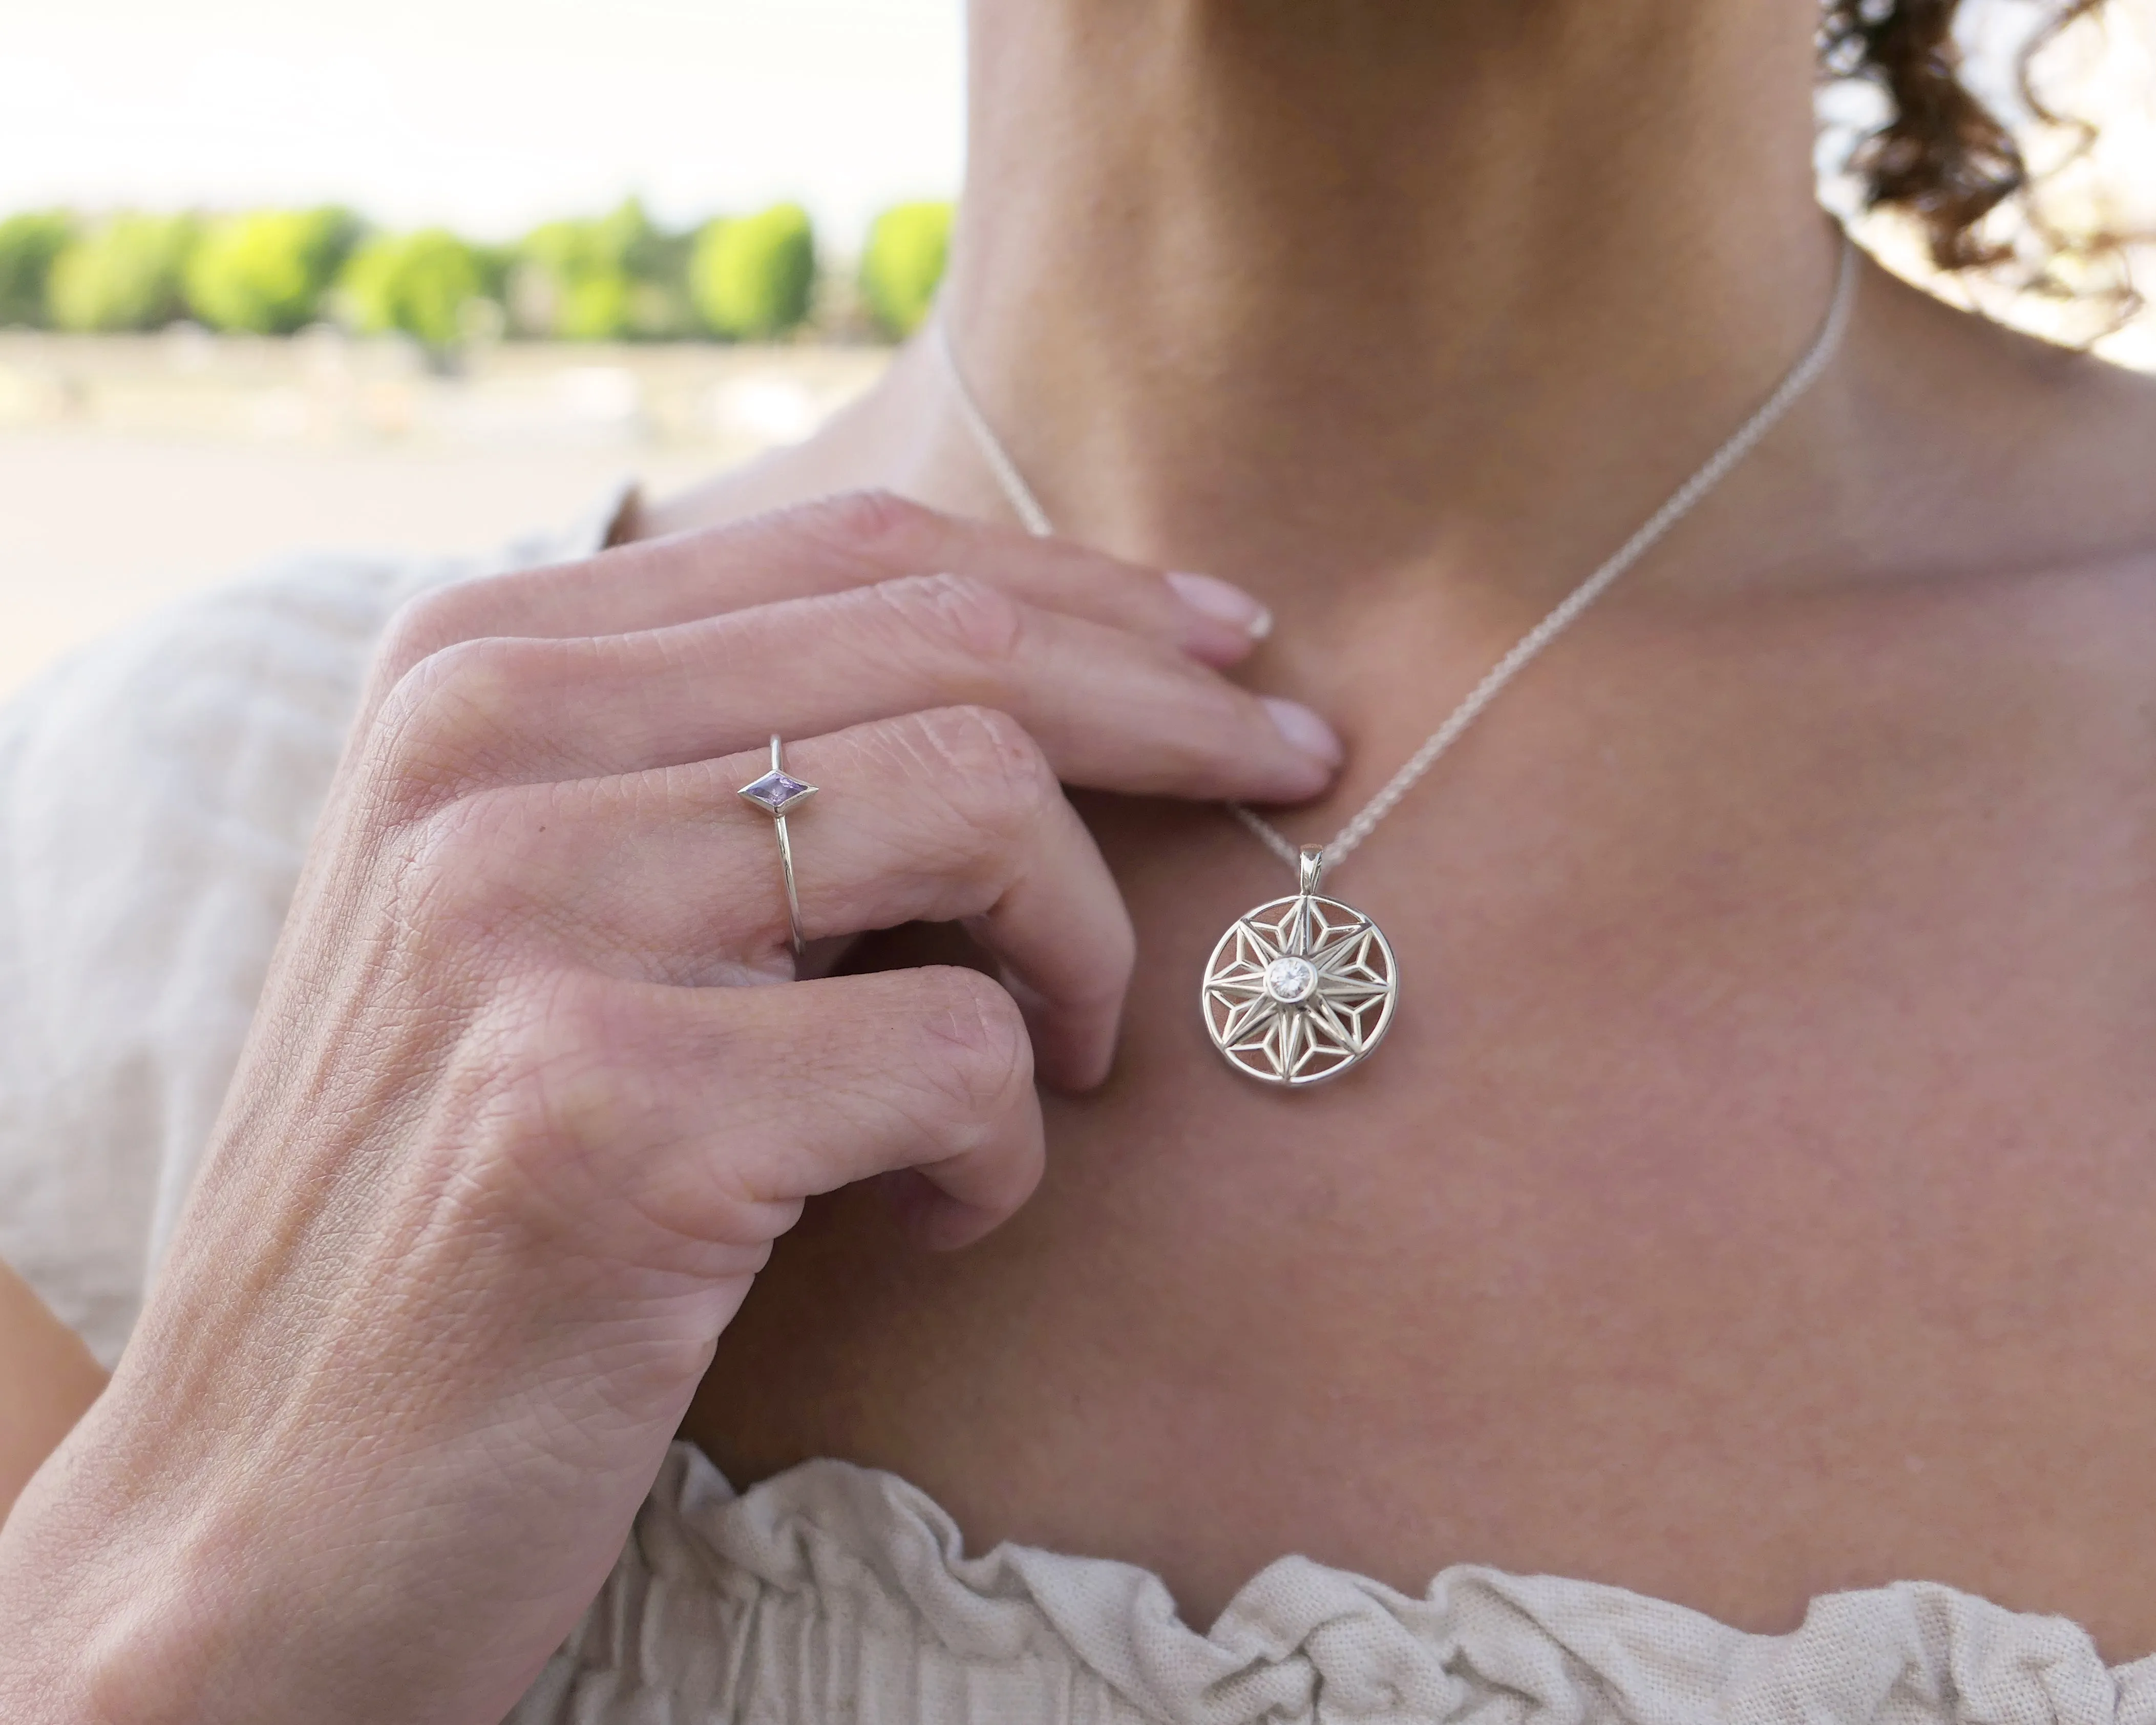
777	792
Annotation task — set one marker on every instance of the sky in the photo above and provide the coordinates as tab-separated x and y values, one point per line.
488	115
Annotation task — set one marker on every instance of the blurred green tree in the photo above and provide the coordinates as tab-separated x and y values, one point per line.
28	244
902	263
268	271
752	277
618	278
122	274
426	284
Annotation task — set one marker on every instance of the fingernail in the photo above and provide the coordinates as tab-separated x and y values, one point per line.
1304	730
1223	601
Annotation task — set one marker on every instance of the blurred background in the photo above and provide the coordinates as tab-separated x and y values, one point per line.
427	273
422	274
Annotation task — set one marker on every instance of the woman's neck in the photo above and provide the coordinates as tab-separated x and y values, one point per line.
1328	288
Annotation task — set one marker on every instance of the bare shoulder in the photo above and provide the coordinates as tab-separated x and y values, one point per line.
2047	486
2009	448
1996	500
886	440
2087	490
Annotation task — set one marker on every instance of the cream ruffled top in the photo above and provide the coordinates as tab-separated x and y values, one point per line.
834	1592
156	798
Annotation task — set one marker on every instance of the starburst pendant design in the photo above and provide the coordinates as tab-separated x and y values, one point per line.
1300	990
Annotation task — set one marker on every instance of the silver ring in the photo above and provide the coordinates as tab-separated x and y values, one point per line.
774	794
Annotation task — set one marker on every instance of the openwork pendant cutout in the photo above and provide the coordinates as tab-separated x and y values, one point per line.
1300	990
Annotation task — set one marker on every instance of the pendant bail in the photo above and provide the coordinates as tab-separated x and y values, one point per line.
1311	869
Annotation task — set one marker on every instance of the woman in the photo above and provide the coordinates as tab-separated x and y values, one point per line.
1746	1210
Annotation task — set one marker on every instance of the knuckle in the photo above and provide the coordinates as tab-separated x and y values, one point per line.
983	742
870	523
458	869
977	1056
432	621
553	1069
982	622
573	1121
507	603
447	717
982	760
417	630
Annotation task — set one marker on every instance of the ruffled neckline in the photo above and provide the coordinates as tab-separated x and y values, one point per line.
865	1555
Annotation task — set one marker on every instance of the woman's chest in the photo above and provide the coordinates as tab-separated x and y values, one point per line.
1749	1199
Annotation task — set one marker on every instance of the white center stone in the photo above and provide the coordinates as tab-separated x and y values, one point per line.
1290	980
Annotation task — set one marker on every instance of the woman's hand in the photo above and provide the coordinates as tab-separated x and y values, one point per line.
532	1088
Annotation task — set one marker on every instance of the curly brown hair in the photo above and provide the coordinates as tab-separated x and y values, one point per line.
1948	162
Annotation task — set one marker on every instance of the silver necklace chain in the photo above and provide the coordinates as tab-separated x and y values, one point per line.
1800	377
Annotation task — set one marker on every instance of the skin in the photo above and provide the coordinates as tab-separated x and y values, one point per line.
526	1100
49	1379
1752	1198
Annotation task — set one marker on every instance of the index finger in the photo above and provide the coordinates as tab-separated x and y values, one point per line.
855	539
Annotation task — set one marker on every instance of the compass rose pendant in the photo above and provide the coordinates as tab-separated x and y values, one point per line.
1300	990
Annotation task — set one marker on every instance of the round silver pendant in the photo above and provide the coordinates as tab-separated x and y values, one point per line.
1300	990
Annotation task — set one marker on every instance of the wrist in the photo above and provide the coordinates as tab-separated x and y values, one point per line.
119	1610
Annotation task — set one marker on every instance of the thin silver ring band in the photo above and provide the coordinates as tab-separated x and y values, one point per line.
792	897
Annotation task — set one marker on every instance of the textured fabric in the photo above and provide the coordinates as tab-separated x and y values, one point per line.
834	1592
156	798
156	795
